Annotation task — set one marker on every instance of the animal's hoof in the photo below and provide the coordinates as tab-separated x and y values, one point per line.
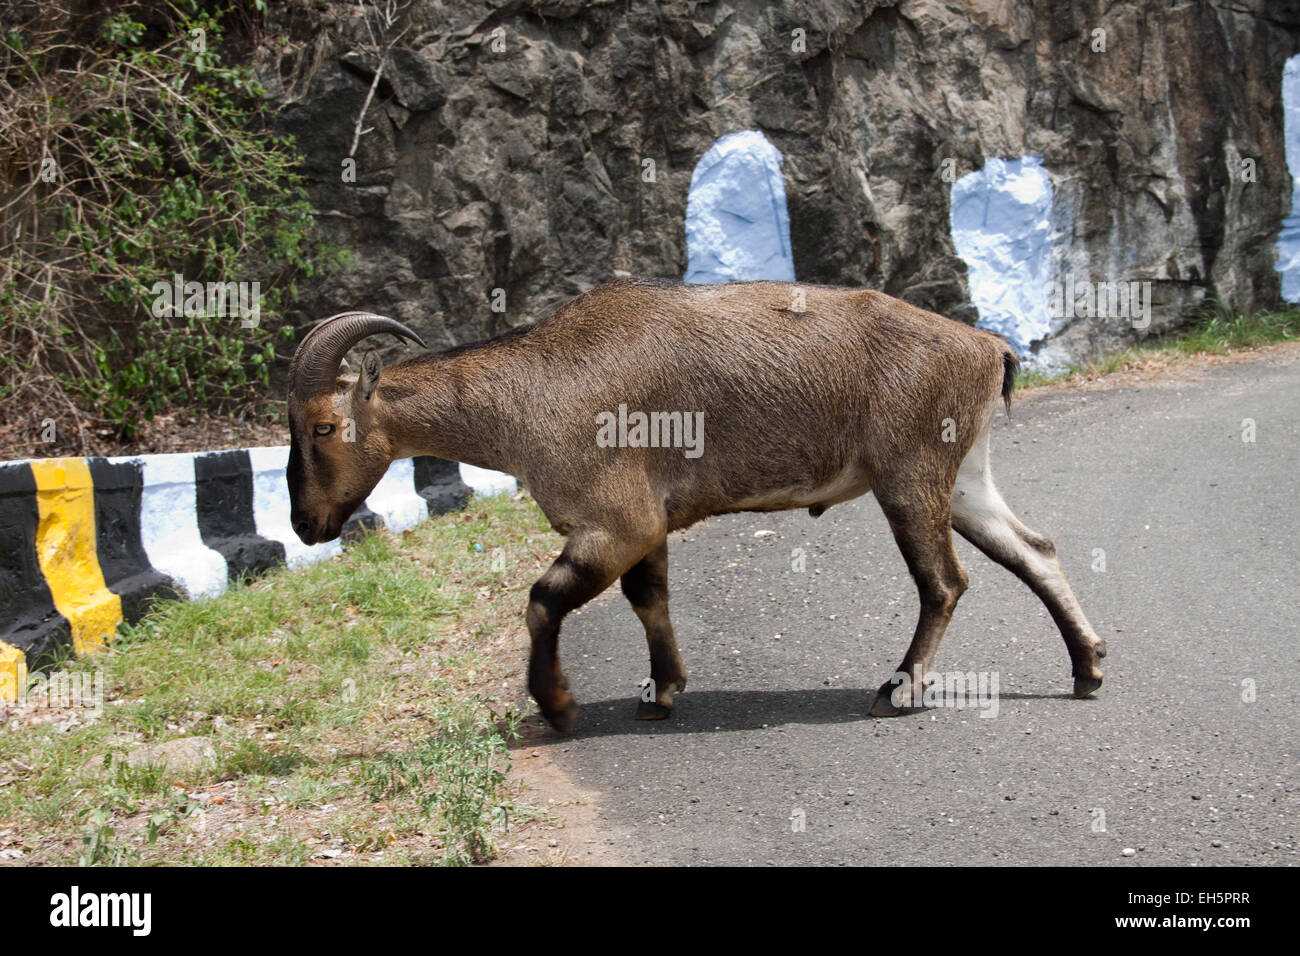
652	710
1083	686
883	705
564	721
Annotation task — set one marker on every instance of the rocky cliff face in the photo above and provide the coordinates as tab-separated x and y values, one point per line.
508	143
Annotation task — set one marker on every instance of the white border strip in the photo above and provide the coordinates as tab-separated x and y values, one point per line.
169	525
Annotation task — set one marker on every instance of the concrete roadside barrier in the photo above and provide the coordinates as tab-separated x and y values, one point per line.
87	543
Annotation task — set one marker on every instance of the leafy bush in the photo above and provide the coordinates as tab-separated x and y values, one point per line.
134	152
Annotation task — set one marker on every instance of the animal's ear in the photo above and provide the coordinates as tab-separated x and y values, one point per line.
369	378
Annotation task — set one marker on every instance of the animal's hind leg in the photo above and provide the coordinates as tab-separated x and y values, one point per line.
981	516
924	536
646	588
590	562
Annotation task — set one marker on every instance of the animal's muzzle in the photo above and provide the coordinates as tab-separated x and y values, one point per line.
303	529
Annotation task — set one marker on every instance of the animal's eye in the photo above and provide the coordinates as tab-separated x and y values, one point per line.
324	429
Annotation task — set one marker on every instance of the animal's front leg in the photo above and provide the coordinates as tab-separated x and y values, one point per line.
590	562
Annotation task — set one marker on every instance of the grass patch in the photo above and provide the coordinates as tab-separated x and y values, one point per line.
346	712
453	774
1217	331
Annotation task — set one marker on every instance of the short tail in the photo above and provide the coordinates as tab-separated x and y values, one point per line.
1010	362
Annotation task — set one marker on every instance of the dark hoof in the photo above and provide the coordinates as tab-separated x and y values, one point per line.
652	710
1083	686
564	721
883	705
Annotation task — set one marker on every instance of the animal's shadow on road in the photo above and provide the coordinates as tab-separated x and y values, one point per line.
726	711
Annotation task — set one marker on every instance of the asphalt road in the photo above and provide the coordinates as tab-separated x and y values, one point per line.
1174	756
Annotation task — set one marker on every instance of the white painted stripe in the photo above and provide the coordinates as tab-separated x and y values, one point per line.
394	498
486	482
271	508
169	526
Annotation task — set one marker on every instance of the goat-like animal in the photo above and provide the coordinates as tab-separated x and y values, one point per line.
810	396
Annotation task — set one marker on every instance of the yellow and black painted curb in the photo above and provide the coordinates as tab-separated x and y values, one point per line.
87	543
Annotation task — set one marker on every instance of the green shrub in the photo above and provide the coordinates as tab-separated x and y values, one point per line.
136	152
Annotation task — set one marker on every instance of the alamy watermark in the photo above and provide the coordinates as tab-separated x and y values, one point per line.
635	429
242	300
62	690
1085	299
128	910
960	689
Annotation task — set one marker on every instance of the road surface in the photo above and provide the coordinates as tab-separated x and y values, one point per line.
1182	540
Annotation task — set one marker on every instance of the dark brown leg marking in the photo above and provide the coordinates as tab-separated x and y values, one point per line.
591	561
646	587
925	538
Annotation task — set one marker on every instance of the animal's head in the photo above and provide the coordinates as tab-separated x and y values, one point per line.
337	449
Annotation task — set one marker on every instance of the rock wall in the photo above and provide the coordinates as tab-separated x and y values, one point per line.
507	143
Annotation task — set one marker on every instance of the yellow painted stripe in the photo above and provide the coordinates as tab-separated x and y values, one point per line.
13	671
65	547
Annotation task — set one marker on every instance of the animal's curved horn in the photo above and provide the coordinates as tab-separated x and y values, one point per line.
315	364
